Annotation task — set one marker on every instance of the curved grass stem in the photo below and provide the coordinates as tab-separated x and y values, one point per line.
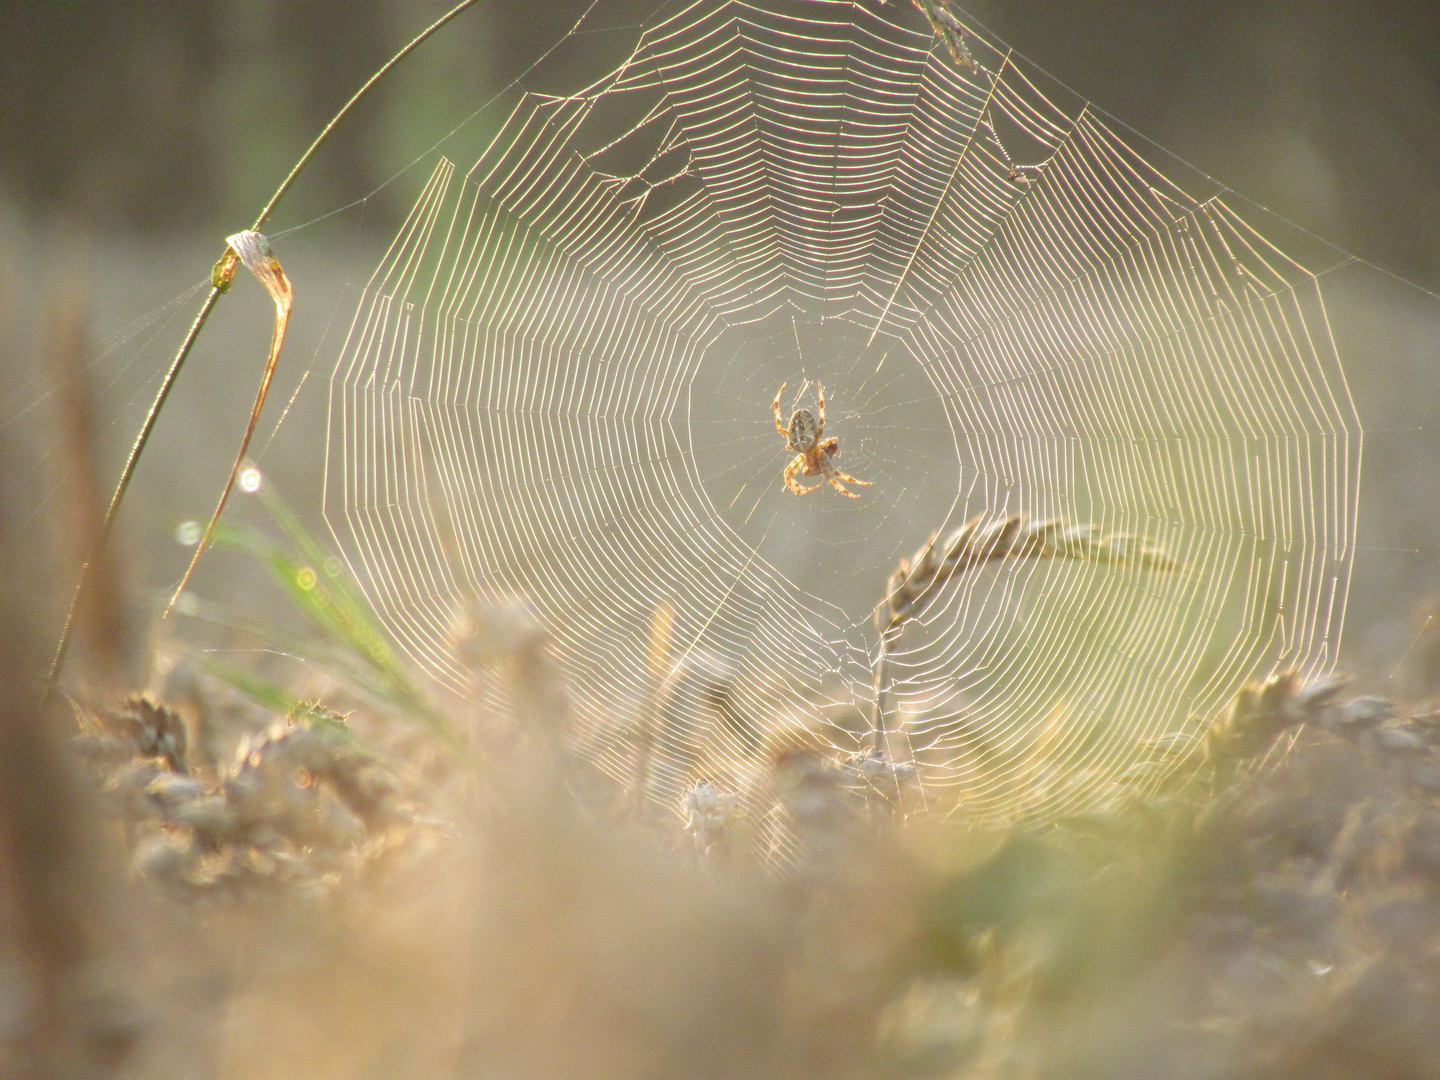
917	580
219	285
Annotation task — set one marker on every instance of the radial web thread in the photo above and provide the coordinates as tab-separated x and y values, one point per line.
558	385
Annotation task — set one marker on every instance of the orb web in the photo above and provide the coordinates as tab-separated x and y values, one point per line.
558	384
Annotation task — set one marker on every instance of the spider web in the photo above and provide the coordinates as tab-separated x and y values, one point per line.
558	385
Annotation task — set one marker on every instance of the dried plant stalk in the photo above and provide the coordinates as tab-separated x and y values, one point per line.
68	952
221	277
1263	712
252	249
111	652
950	31
916	581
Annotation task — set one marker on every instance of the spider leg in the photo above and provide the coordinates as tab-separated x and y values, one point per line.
847	477
833	476
829	475
790	471
831	447
780	424
820	427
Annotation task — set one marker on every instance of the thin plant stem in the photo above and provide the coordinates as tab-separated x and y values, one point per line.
87	568
218	287
916	581
253	250
325	132
889	642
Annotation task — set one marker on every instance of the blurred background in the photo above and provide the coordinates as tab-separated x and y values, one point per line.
136	134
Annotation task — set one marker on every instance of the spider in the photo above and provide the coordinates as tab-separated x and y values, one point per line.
812	456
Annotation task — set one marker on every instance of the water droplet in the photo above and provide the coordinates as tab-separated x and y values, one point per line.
305	578
189	533
250	479
332	566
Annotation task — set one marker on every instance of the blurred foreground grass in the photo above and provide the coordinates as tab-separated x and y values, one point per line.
301	865
317	869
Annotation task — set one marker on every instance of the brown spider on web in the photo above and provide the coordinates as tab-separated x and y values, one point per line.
812	455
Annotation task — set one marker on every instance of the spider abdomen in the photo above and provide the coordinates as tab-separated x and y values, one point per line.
803	432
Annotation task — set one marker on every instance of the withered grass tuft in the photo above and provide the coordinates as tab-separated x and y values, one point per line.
382	884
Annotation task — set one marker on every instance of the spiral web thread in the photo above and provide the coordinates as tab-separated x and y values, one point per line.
558	385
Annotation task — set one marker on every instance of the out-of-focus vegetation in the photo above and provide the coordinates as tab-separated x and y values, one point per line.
170	115
165	115
223	876
267	868
156	127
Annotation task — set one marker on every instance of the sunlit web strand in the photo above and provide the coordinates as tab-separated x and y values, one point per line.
558	384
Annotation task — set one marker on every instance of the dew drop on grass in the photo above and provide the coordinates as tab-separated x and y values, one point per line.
250	479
